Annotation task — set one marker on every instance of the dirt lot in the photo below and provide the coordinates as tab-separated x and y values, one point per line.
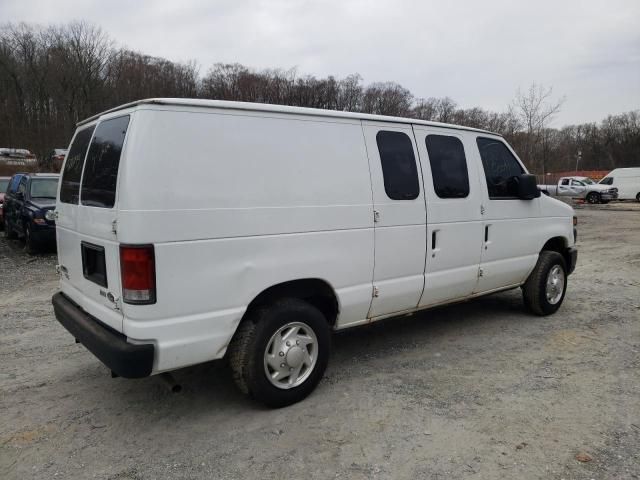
479	390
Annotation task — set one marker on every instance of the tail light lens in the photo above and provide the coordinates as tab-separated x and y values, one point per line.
138	268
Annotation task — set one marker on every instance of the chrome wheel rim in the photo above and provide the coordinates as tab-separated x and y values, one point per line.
291	355
555	284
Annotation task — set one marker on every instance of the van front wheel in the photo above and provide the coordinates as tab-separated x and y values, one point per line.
279	354
544	290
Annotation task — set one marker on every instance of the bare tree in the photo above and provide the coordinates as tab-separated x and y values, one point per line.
51	77
535	110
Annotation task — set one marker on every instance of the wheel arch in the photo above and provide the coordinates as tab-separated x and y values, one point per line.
558	244
315	291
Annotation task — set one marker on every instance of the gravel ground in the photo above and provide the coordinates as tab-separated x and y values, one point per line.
477	390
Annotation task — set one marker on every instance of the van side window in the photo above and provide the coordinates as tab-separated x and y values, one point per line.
70	182
500	168
607	181
448	166
398	165
101	169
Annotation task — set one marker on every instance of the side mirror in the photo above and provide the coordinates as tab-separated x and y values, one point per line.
526	186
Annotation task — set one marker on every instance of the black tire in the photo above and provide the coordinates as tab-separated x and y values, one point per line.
534	290
593	198
8	231
638	197
29	242
249	344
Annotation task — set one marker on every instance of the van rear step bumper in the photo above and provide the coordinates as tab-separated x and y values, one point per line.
124	359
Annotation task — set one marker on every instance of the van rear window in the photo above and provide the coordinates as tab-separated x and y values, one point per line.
70	183
101	169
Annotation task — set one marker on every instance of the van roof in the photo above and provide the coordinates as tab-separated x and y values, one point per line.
265	107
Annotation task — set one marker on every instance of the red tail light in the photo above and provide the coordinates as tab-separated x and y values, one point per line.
138	267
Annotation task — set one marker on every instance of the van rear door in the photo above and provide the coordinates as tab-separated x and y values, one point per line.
88	249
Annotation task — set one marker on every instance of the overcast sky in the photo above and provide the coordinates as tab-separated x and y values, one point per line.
478	53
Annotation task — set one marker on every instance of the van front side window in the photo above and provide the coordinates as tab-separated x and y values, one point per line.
398	165
101	169
500	168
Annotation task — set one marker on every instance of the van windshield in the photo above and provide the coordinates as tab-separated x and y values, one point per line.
44	188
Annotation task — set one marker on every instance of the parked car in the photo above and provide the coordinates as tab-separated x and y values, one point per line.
28	209
55	159
581	187
626	180
16	157
4	183
294	223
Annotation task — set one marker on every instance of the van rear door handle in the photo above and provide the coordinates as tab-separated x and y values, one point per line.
486	236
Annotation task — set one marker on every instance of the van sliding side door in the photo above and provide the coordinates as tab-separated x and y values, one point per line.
454	223
399	218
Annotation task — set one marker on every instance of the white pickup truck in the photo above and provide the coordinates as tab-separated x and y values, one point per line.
581	187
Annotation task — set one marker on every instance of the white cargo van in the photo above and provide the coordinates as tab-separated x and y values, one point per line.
626	180
193	229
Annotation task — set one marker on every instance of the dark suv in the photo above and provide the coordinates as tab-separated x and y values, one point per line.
28	208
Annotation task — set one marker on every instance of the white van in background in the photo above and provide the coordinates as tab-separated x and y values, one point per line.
193	229
626	180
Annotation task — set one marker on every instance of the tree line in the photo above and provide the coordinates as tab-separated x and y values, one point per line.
52	77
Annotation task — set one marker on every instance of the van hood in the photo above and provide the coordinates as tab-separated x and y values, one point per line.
555	207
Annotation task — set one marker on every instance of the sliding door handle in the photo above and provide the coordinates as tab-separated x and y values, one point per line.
434	243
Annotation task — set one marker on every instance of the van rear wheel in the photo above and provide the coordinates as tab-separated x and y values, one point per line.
279	354
544	290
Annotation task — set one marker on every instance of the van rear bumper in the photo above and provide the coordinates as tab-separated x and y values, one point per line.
124	359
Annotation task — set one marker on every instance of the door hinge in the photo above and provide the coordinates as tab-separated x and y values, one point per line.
114	227
481	209
480	272
376	216
375	293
